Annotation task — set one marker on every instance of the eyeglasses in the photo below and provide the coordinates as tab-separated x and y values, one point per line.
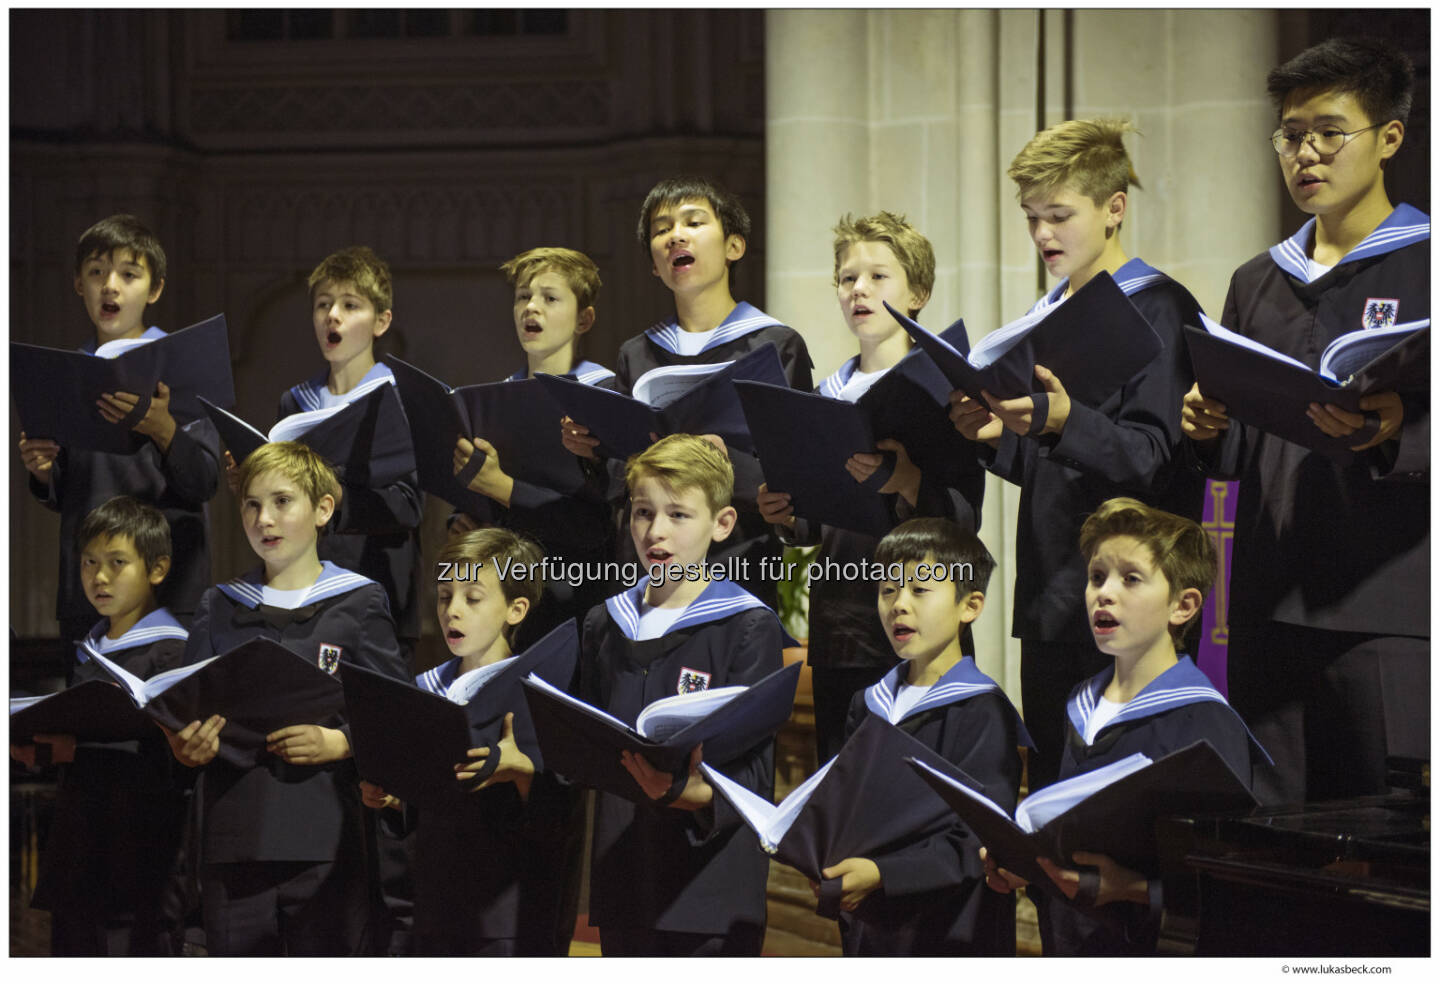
1326	142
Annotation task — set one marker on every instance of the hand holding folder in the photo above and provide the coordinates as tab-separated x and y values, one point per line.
681	399
366	440
259	687
1095	341
518	418
1112	810
583	743
1269	390
57	391
408	741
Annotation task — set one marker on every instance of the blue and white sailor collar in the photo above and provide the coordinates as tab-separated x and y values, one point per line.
746	318
1182	684
149	335
437	679
1132	277
584	371
720	599
248	590
961	682
157	625
1403	227
314	394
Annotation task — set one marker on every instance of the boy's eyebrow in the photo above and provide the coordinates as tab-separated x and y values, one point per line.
1315	121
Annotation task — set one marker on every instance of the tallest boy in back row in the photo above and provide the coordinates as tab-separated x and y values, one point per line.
696	233
1330	585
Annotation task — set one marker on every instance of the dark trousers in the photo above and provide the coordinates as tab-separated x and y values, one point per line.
284	908
1048	672
742	941
1329	706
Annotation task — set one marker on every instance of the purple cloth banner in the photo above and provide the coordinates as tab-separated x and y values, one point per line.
1219	521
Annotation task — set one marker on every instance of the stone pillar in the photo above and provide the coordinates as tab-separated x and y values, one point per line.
921	111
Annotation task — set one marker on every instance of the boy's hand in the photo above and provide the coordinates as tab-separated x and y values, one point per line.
1339	423
973	420
998	878
376	798
577	439
196	744
58	750
1202	419
1117	884
775	507
905	479
38	457
515	766
232	474
656	784
308	744
1019	414
858	878
491	480
157	424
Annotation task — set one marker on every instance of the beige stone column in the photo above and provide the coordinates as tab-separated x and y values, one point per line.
921	111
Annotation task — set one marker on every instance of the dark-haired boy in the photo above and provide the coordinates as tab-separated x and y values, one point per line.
1329	649
119	271
118	817
695	233
1147	575
927	897
284	850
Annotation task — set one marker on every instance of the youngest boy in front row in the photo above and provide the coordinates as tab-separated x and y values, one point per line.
284	846
112	849
680	876
927	898
1147	575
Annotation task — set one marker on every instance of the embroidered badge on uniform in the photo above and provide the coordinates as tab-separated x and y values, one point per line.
329	657
692	681
1380	312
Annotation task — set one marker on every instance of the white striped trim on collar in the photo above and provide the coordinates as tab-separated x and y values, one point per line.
311	394
835	382
719	600
437	679
1404	226
158	625
332	581
746	318
960	682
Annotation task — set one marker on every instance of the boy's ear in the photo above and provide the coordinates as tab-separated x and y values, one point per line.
585	320
734	246
1115	210
724	523
1186	606
159	569
918	299
1392	135
155	291
382	323
517	611
971	606
325	508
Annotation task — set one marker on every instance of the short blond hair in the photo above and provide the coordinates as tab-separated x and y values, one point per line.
916	255
295	461
682	462
1087	155
362	269
581	274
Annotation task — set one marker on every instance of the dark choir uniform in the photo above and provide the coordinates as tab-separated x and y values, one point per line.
1176	709
490	878
374	532
745	329
1126	446
570	528
108	868
932	900
848	648
179	483
668	882
1330	584
284	846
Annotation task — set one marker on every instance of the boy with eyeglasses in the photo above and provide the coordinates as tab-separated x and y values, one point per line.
1329	610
